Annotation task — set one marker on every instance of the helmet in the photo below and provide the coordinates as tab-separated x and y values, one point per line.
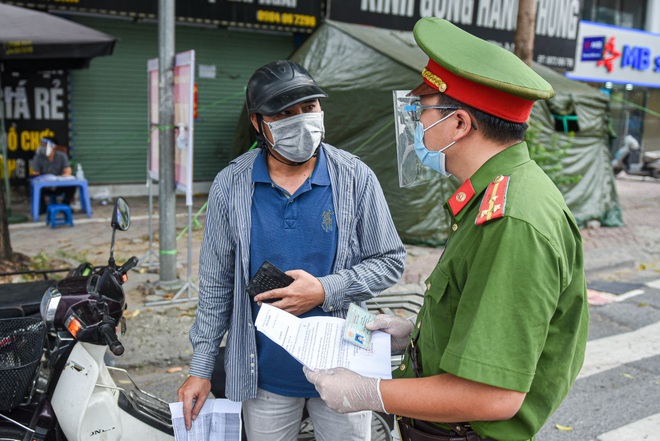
279	85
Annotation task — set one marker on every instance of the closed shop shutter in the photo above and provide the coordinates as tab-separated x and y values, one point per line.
109	100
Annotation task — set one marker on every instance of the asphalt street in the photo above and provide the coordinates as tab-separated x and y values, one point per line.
618	386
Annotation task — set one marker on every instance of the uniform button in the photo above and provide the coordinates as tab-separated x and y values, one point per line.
419	325
454	227
330	308
460	197
499	178
251	355
402	367
428	286
251	364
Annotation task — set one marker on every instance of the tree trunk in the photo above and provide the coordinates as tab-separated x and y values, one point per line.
5	243
525	27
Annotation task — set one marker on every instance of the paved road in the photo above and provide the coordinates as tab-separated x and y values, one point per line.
615	397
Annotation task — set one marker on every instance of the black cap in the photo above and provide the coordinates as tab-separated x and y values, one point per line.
279	85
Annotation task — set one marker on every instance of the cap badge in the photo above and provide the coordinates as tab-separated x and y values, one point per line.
434	79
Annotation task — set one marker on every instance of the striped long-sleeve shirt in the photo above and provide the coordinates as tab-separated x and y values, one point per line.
370	258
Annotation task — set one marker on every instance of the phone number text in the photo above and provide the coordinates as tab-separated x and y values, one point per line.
286	19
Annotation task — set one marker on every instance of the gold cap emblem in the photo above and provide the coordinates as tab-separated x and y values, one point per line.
434	79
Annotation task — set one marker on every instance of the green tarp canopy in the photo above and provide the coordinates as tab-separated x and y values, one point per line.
359	67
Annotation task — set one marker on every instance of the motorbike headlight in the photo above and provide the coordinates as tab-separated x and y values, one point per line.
49	303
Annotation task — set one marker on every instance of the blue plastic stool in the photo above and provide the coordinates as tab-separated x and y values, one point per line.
54	220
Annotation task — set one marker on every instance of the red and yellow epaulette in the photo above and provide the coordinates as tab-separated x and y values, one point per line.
494	201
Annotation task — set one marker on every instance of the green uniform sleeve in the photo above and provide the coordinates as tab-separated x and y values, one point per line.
503	313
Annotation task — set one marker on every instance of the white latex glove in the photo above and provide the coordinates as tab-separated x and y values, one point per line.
399	328
346	391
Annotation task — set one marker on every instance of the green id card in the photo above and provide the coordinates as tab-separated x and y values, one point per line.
355	330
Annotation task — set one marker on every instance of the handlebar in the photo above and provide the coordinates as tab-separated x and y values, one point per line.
110	337
128	265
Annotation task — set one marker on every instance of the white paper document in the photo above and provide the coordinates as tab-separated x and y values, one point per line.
219	420
317	343
51	177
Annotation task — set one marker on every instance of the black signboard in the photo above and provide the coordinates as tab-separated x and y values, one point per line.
36	105
278	15
493	20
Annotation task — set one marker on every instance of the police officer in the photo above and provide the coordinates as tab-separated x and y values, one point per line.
311	210
502	332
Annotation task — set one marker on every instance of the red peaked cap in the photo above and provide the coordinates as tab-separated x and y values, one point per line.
477	73
487	99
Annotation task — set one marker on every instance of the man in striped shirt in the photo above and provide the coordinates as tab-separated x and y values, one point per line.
312	210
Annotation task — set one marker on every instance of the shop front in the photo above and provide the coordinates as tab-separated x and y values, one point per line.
101	111
624	63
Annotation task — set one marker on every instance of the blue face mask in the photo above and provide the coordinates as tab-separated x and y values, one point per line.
432	159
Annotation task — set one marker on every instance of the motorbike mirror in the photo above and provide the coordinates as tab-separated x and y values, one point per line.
121	216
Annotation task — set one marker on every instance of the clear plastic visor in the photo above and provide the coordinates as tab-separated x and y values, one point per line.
407	111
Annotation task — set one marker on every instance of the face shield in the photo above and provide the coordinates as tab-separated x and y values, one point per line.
46	147
406	115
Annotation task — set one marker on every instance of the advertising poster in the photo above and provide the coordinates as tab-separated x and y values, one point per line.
184	80
35	105
152	88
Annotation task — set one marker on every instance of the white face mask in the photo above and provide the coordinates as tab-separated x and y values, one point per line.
297	137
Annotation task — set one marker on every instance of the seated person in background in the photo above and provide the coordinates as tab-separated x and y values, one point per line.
49	160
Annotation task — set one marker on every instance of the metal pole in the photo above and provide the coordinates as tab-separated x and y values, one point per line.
166	189
5	150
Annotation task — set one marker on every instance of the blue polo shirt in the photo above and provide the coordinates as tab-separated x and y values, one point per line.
296	231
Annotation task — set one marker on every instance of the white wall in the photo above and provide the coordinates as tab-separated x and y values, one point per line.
652	14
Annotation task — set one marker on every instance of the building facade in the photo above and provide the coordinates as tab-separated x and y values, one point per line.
101	112
618	51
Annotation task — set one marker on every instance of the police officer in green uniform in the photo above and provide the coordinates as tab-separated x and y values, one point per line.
502	332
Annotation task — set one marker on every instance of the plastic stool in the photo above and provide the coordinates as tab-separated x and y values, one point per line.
52	215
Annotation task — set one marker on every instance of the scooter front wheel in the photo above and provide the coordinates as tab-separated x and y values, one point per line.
11	434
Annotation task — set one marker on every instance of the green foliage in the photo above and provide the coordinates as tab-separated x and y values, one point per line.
62	259
41	262
549	155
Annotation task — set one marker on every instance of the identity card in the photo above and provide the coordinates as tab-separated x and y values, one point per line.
355	330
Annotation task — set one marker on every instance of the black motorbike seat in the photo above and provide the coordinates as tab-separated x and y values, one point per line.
22	299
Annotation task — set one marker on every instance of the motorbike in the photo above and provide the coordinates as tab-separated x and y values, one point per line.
54	382
632	159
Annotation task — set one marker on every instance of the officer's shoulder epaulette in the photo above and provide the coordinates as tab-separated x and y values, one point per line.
494	201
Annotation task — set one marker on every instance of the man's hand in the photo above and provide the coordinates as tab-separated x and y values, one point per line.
193	389
346	391
304	293
400	329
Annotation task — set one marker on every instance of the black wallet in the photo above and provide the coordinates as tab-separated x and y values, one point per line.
268	277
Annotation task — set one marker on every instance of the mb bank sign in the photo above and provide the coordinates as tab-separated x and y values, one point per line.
618	55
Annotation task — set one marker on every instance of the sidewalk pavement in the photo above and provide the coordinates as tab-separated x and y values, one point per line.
157	345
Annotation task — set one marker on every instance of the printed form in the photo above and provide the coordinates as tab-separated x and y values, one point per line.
219	420
317	343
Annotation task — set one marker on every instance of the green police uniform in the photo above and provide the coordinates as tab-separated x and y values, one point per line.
507	305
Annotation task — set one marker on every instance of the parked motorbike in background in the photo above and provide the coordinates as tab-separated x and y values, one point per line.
632	159
54	383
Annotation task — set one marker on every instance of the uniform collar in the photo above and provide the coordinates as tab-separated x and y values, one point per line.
320	175
500	164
